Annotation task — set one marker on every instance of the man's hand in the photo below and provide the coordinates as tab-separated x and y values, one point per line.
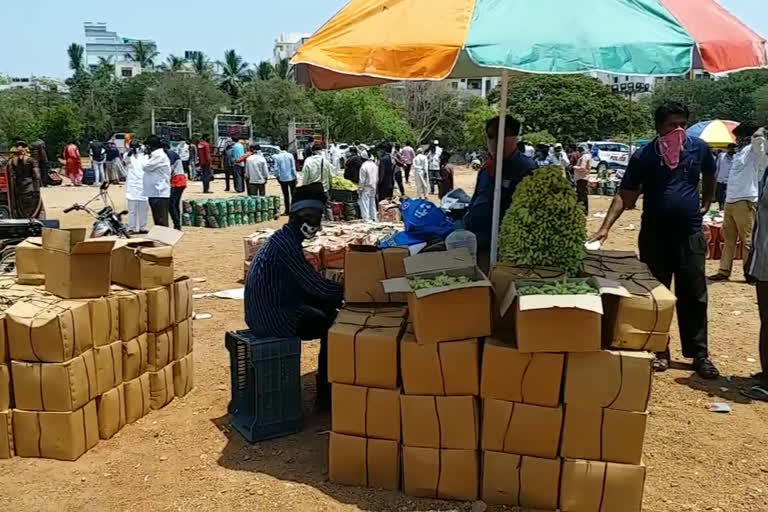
600	236
705	208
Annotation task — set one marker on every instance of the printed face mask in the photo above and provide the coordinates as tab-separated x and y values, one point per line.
671	145
308	231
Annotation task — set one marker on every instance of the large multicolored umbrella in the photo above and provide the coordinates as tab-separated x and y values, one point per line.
371	42
716	133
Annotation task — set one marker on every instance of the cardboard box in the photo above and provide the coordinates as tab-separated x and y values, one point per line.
161	390
514	376
559	323
183	375
521	428
6	394
159	349
641	321
449	422
104	314
364	270
603	434
135	357
76	267
362	350
144	263
133	312
4	354
609	379
457	312
182	298
6	435
56	435
517	480
137	398
110	408
57	387
109	366
450	368
183	339
29	262
443	474
160	309
363	462
52	333
366	412
588	486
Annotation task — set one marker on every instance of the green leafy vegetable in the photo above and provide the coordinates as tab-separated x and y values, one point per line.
440	281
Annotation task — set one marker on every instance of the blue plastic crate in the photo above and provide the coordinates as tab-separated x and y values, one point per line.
266	385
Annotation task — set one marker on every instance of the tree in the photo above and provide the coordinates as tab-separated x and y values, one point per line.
536	138
283	69
105	67
761	105
75	52
232	73
19	119
265	70
174	63
60	124
273	104
144	54
200	64
474	124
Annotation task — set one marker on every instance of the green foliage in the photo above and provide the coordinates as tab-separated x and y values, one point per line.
233	73
545	226
144	54
474	124
283	69
563	287
439	281
60	125
174	63
18	117
542	137
200	64
761	104
75	53
265	70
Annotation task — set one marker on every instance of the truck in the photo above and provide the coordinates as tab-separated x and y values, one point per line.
172	124
303	135
228	127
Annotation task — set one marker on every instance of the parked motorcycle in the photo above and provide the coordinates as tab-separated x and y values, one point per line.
108	221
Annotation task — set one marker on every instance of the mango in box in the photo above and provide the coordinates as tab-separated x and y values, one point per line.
56	435
590	485
456	311
364	270
76	267
144	263
363	462
55	386
516	480
366	412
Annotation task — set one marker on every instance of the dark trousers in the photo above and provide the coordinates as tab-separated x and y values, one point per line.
227	177
313	325
185	165
289	189
720	190
257	189
175	206
237	176
684	260
582	192
160	207
407	170
207	178
762	306
399	181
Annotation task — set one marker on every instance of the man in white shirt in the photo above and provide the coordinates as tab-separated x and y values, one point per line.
558	157
184	155
317	169
421	173
157	181
256	172
434	152
724	163
741	196
369	179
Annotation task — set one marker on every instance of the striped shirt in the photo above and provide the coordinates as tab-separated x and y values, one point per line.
281	281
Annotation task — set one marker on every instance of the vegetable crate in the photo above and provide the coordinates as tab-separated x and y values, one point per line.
266	385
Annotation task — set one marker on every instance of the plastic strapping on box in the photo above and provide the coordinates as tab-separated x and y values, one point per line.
365	427
143	404
114	365
88	376
621	383
522	377
354	348
440	365
520	479
602	431
605	481
439	449
63	310
39	435
506	429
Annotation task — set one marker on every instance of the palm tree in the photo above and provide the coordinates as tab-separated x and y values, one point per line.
265	70
283	69
144	54
233	70
175	63
75	52
105	67
200	64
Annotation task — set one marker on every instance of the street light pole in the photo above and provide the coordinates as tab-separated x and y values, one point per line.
629	89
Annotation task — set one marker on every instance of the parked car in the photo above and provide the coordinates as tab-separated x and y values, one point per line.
607	155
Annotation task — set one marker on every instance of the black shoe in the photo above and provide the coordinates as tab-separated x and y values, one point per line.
719	277
705	368
323	399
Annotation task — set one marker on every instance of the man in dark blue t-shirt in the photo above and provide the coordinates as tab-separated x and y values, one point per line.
516	166
667	172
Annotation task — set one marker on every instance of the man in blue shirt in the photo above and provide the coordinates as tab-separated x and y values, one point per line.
667	172
238	168
516	166
284	295
285	167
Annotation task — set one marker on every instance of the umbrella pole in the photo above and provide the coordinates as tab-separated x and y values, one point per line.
501	138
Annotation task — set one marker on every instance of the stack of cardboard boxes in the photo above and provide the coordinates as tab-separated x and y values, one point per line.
80	350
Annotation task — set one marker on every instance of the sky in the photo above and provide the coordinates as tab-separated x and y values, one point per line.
38	46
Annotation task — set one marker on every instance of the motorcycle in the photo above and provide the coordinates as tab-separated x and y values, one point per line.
108	221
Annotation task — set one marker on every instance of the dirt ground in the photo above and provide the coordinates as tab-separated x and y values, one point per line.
185	457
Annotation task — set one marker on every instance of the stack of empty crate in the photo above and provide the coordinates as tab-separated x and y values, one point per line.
80	353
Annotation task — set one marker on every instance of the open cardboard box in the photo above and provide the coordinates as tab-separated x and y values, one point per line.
365	267
144	263
76	267
558	323
457	312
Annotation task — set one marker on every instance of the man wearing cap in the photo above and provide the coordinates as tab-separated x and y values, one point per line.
284	295
559	157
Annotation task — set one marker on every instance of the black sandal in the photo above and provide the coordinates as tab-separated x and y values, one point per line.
661	364
758	393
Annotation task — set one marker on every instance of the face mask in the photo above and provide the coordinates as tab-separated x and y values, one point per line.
671	145
309	232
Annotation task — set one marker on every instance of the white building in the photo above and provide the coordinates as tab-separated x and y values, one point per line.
102	43
477	86
614	79
287	45
42	83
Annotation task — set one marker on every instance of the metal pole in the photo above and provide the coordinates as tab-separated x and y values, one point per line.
630	123
501	139
153	121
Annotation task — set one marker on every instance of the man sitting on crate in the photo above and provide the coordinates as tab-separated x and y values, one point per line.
284	295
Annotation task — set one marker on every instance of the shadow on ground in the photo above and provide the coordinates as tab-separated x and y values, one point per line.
721	388
303	458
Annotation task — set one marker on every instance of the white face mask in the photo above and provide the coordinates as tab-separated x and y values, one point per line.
308	231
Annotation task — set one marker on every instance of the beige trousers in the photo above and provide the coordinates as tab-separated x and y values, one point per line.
739	220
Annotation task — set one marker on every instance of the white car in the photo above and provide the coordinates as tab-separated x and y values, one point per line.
607	155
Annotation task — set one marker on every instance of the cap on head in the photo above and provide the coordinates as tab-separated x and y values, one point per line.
309	196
